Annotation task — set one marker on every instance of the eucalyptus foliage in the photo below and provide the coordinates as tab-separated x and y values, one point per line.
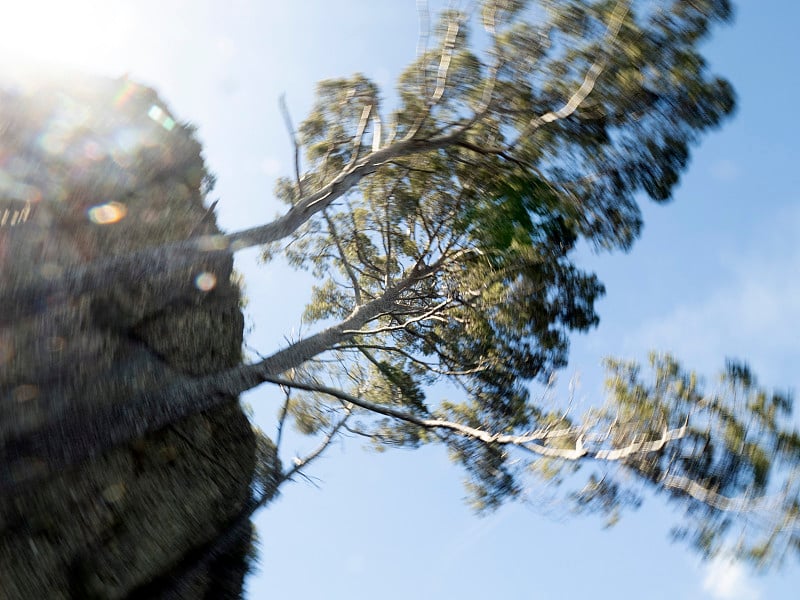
445	236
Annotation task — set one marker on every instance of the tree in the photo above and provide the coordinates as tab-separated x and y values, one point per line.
119	523
442	236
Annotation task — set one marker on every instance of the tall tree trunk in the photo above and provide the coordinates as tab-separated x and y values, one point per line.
92	169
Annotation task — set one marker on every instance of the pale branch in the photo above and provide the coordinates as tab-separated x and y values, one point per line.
448	47
488	90
429	314
643	447
299	463
357	139
377	131
612	31
525	441
719	501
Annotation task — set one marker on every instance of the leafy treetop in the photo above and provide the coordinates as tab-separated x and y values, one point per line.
450	257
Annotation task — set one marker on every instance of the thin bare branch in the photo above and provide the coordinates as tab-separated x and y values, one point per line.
446	57
444	62
299	463
282	417
348	268
287	119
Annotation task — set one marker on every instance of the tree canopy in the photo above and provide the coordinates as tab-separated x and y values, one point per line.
518	133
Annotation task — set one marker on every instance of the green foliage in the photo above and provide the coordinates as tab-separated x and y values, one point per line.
460	239
738	446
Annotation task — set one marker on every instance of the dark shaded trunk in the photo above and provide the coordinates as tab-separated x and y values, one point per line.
90	172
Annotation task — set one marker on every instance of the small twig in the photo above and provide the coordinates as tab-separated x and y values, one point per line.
299	463
287	119
282	417
448	47
207	218
343	256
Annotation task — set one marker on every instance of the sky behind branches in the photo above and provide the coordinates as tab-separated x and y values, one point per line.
714	275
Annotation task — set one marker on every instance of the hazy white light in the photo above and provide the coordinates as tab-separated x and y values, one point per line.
155	113
727	579
159	116
87	34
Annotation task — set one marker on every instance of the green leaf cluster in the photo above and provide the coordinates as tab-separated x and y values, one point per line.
506	158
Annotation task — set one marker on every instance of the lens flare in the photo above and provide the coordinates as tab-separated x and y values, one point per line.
205	281
162	118
105	214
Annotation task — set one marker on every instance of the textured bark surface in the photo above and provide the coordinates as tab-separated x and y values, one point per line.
92	168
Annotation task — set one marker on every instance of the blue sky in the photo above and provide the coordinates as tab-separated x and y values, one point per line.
715	274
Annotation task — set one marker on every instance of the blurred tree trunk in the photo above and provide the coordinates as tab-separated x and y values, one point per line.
92	168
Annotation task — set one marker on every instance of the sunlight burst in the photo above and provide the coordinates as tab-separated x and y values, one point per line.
82	34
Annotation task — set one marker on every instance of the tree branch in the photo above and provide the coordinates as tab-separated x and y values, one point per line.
589	81
282	417
150	263
345	263
362	126
524	441
429	314
718	501
287	119
89	430
299	463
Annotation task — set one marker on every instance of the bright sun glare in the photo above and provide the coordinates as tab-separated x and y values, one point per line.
83	34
